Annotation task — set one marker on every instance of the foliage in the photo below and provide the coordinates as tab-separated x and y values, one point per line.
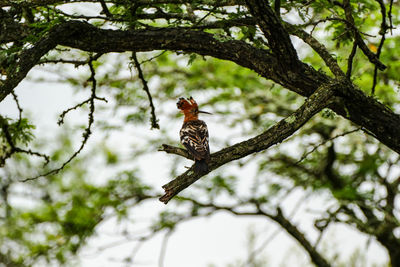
333	157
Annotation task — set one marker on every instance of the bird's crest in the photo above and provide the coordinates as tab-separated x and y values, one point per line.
187	104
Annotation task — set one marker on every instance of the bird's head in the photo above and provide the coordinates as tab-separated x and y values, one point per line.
190	108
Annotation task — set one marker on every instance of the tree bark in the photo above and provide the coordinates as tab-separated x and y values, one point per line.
274	135
374	117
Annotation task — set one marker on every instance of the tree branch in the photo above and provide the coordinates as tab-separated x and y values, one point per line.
86	134
277	36
20	110
350	60
105	9
35	3
318	47
175	150
370	55
280	219
382	32
355	105
276	134
153	120
324	142
13	147
316	258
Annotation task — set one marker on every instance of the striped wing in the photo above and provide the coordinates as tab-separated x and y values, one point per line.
194	136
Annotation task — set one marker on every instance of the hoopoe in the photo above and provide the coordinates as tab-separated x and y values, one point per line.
194	134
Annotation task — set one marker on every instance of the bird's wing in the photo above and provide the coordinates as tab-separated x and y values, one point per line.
194	136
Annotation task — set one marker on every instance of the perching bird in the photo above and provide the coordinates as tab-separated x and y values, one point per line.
194	134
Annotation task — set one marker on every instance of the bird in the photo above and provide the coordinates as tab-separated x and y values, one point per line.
194	134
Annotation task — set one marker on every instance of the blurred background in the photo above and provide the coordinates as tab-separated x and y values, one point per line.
102	208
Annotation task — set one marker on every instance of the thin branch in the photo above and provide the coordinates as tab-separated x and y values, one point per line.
77	63
348	24
276	134
350	60
120	18
382	32
13	148
154	57
20	110
379	120
370	55
62	115
87	131
390	17
318	47
280	219
105	9
175	150
305	155
153	120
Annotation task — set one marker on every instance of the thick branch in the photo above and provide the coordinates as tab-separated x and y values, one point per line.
274	135
277	36
34	3
374	117
31	56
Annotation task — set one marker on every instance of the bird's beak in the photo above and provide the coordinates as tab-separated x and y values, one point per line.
205	112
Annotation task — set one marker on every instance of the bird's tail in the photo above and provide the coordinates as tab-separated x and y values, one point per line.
201	166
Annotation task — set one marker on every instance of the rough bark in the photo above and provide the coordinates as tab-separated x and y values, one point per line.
277	36
365	111
274	135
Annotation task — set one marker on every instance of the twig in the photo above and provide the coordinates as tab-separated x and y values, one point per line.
350	60
153	120
105	9
352	26
383	38
367	52
390	17
20	110
14	148
77	63
87	131
62	115
156	56
326	141
175	150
